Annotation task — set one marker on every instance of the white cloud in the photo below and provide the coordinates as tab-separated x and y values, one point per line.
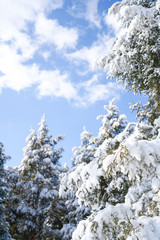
93	91
15	75
15	21
90	54
87	10
17	27
50	31
18	76
82	94
97	92
25	29
18	46
92	12
14	16
52	83
45	54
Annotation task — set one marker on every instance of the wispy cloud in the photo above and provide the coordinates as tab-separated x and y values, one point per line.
90	54
92	12
87	10
93	91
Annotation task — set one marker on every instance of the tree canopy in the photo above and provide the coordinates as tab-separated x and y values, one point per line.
134	52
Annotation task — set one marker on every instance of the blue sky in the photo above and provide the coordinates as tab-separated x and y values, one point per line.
48	53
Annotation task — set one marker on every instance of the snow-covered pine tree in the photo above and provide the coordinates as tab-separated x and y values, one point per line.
91	180
112	123
131	210
88	179
15	185
4	226
83	155
39	211
85	152
134	53
51	170
48	144
75	212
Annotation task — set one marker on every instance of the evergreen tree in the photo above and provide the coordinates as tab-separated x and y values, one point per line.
127	182
88	178
112	123
134	55
15	185
39	211
85	152
76	212
4	226
93	186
